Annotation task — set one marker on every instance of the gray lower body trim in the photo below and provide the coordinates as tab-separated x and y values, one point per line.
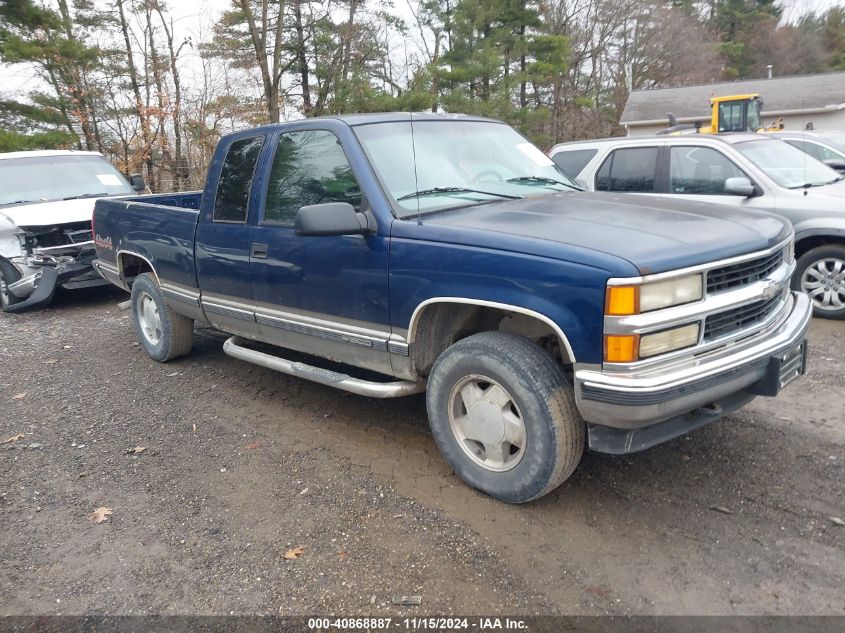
322	332
174	294
232	313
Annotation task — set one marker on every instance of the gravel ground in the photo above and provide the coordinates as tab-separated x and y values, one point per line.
242	466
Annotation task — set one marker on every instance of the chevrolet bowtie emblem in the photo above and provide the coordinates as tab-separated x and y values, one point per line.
770	289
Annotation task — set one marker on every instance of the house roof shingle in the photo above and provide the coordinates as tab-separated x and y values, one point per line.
779	95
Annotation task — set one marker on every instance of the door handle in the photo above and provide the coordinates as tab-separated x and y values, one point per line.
258	251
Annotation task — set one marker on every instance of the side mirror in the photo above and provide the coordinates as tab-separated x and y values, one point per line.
740	187
836	163
137	182
331	218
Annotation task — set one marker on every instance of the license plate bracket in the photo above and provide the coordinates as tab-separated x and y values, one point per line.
782	370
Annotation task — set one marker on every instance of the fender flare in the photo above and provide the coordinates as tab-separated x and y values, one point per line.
415	317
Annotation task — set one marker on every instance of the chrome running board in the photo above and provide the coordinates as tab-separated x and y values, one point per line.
233	348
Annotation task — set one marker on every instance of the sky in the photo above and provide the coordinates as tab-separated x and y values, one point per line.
192	17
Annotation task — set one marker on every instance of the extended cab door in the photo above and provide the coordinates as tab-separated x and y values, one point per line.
223	236
324	295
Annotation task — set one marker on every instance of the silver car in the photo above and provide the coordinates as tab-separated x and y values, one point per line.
752	171
828	147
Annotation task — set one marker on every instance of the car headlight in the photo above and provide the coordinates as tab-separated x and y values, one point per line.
626	300
669	340
629	348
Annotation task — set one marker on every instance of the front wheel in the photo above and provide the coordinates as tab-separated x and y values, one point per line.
503	414
820	273
163	334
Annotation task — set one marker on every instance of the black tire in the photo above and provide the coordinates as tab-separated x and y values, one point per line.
543	397
8	274
174	334
815	257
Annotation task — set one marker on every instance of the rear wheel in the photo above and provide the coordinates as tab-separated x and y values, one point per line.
503	414
820	273
163	334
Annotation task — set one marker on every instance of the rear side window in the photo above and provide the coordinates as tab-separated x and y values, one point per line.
572	161
232	198
631	169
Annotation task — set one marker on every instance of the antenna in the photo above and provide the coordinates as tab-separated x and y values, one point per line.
804	140
411	122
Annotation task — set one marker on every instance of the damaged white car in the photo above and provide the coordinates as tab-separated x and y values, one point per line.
46	202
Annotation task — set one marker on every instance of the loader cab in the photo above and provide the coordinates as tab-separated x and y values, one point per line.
737	113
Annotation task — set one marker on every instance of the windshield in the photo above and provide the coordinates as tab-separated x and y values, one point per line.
458	163
788	166
42	178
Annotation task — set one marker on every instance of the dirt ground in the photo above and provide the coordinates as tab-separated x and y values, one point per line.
242	465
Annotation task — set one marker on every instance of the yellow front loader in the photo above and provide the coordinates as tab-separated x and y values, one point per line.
736	113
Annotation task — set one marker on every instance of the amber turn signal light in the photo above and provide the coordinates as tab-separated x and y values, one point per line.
622	300
621	349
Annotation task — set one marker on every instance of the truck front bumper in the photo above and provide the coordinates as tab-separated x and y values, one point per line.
627	412
38	284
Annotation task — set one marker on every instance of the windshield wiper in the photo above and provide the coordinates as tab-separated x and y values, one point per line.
433	190
87	195
19	202
542	180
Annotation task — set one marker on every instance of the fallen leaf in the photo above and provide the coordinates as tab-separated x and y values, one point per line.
837	521
254	445
19	396
99	515
342	555
293	554
722	509
50	361
137	450
195	428
14	438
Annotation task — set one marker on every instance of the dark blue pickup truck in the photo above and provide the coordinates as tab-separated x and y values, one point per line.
447	254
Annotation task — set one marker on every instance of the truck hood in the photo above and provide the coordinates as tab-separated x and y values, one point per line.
654	234
50	213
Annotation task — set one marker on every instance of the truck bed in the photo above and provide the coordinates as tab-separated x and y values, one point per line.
159	228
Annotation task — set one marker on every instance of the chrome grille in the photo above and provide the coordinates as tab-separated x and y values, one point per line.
724	323
77	237
744	273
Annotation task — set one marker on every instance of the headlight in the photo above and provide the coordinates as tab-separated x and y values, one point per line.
629	348
625	300
789	252
668	340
